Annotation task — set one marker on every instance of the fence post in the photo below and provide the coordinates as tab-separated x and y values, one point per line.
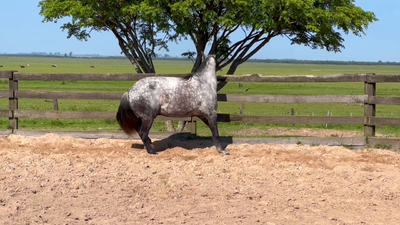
369	109
55	104
292	114
193	126
12	101
241	108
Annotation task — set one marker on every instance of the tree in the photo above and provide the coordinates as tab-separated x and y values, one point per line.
189	54
70	54
313	23
137	25
134	23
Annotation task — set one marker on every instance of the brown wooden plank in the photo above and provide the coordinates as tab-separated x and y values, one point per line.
356	142
384	100
78	115
5	113
225	78
293	99
88	77
291	119
302	78
303	120
387	143
227	118
383	121
6	74
221	97
63	114
5	94
68	95
383	78
89	134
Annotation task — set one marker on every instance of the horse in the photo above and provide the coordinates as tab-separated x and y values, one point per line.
191	95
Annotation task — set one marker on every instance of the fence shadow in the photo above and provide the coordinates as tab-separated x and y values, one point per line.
186	141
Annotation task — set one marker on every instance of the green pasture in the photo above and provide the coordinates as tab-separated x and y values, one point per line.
82	65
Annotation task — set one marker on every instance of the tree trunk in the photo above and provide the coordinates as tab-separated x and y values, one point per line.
169	124
181	126
197	63
233	67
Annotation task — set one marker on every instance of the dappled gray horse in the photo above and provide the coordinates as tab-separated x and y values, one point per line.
193	95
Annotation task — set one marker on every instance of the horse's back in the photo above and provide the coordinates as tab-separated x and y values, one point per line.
171	96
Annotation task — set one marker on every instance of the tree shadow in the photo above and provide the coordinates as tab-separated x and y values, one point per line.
186	141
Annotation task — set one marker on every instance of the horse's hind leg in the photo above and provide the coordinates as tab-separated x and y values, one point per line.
144	135
211	122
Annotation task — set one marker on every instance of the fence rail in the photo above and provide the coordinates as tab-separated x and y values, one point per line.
369	99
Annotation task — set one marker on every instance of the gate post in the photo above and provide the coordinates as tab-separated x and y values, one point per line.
12	101
369	109
193	126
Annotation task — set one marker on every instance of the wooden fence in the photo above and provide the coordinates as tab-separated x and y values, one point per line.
369	99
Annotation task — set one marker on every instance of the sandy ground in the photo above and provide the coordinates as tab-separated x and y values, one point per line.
65	180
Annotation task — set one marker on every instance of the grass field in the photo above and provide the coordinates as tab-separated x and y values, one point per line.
82	65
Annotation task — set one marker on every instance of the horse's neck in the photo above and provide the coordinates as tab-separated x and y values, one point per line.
207	71
207	76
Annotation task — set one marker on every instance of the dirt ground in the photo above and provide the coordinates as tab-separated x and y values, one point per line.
64	180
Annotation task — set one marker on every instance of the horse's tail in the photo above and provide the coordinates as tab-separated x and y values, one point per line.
126	118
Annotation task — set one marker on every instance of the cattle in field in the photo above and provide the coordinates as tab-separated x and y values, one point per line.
1	66
92	67
27	65
54	65
21	66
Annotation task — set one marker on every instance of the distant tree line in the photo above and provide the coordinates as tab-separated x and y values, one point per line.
168	57
324	62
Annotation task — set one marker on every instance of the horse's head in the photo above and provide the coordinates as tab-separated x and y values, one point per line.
209	62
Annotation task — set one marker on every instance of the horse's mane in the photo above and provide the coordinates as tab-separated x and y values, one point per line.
187	77
201	68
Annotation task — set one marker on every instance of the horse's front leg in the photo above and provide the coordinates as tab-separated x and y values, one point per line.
211	122
144	135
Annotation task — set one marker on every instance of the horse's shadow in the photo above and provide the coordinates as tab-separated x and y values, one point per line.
186	141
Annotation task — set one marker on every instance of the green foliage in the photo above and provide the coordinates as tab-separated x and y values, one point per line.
383	146
316	24
347	146
138	24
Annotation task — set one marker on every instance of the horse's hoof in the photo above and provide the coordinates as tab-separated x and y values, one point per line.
224	152
152	152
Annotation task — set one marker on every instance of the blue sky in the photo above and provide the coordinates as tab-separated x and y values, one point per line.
22	31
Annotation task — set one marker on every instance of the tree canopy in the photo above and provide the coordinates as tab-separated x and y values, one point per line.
137	25
313	23
209	24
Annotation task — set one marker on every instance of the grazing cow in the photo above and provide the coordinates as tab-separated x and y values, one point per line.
92	67
1	66
27	65
21	66
54	65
